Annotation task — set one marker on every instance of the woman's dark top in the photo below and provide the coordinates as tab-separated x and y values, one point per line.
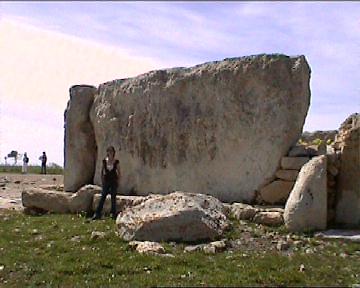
110	176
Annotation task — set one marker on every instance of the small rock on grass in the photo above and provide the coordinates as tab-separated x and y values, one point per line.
97	235
147	247
76	238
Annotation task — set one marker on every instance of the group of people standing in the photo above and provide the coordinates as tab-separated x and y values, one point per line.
42	158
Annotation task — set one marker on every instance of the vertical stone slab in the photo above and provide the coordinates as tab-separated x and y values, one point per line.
79	142
348	186
306	207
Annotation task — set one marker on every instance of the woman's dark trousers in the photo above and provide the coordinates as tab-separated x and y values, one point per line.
107	189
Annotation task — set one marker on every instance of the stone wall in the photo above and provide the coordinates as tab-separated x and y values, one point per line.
218	128
347	143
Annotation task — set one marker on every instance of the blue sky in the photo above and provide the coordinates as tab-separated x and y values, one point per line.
167	34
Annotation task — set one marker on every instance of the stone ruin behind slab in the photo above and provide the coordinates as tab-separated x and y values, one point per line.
219	128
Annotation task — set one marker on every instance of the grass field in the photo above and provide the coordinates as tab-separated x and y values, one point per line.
32	169
57	251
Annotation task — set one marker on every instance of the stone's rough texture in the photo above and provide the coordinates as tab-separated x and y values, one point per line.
80	146
287	175
293	163
348	142
53	201
147	247
95	235
350	235
215	247
243	211
178	216
82	200
122	202
60	202
306	208
276	192
210	248
218	128
269	218
52	187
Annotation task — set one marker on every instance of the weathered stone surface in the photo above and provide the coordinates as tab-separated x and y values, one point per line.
52	187
306	208
97	235
293	163
348	142
276	192
287	175
122	202
60	202
350	235
209	248
80	146
269	218
147	247
243	211
53	201
178	216
215	247
205	129
82	200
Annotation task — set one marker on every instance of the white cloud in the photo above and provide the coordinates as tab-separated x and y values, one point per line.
37	69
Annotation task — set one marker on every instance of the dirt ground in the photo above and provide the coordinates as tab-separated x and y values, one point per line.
11	186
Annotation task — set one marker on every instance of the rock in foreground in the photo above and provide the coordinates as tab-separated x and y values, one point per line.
178	216
306	208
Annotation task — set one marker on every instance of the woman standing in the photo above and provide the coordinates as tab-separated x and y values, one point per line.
25	163
110	174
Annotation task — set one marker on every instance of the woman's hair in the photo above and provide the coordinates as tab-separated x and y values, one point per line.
111	149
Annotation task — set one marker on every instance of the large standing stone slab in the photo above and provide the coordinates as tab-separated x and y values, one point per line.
178	216
306	208
80	146
348	142
218	128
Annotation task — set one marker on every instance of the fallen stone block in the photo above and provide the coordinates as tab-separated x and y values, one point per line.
122	202
276	192
178	216
243	211
269	218
147	247
60	202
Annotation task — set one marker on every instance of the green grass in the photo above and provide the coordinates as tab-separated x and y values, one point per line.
47	257
31	169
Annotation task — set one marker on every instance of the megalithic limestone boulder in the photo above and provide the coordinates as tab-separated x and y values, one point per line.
80	146
306	207
348	186
218	128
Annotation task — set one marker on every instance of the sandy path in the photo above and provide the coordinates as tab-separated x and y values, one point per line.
11	186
